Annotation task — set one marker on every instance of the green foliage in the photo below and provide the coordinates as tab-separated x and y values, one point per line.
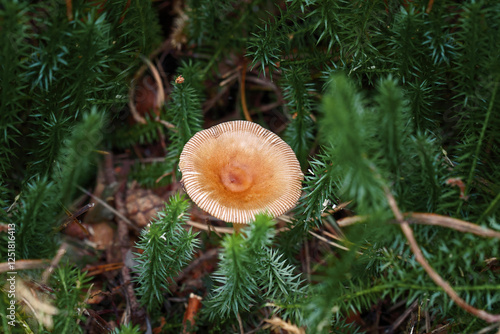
6	316
14	50
136	25
50	139
264	48
350	130
212	19
59	80
38	202
193	75
387	154
252	272
43	198
300	103
166	248
475	98
185	112
409	99
237	288
219	26
127	329
66	291
128	135
152	175
71	286
320	188
77	157
70	67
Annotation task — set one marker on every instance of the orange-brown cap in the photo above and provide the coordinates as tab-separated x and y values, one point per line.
237	169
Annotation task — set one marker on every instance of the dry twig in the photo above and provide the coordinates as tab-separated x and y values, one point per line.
137	312
110	208
456	224
208	228
402	317
408	232
242	331
53	264
42	308
208	255
276	323
101	268
334	244
489	328
24	265
350	220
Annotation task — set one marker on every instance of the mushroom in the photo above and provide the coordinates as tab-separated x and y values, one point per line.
235	170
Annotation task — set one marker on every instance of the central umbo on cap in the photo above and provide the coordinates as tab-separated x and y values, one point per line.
235	170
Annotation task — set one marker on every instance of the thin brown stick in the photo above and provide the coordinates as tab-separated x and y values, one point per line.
456	224
136	311
242	331
212	228
133	308
334	244
110	208
488	329
206	256
350	220
69	10
337	208
436	220
229	79
164	175
442	329
408	232
267	107
24	265
231	72
242	92
429	6
99	269
207	228
168	125
160	94
97	320
333	236
402	317
53	264
124	11
210	103
131	104
131	94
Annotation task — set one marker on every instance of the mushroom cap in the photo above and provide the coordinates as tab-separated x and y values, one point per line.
237	169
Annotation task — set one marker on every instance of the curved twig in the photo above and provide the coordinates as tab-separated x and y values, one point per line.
408	232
